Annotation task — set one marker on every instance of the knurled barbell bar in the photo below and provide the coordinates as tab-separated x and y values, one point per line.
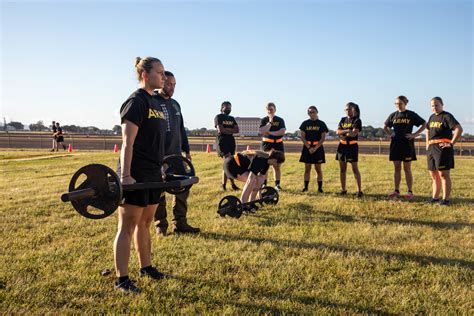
100	194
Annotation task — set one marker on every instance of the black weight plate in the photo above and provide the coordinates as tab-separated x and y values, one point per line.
231	206
177	165
269	195
107	185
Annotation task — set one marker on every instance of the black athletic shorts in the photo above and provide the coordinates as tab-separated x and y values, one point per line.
60	139
226	148
147	196
317	157
231	169
402	150
276	146
440	158
347	153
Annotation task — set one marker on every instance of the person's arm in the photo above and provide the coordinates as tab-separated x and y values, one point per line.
184	139
248	187
321	141
387	130
264	130
457	134
417	133
280	132
129	133
353	133
427	133
303	138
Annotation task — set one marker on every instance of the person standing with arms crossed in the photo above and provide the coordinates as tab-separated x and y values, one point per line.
226	126
175	144
348	149
272	129
439	149
402	144
141	158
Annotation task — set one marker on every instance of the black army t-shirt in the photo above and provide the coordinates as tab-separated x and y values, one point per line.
226	121
403	122
149	146
441	125
349	123
255	164
277	124
313	130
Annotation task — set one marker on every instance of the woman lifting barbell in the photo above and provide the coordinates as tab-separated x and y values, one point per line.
141	157
251	168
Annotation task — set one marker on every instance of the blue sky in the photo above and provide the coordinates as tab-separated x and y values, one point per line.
72	61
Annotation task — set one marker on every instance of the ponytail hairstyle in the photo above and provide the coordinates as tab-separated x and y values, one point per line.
403	98
438	99
255	153
355	107
144	65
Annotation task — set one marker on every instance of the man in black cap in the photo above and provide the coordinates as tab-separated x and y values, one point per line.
176	143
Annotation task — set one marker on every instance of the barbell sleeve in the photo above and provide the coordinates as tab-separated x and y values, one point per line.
78	194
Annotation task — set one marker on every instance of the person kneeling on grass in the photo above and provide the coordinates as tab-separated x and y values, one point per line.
251	168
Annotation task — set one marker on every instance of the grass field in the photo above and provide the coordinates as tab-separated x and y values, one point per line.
309	254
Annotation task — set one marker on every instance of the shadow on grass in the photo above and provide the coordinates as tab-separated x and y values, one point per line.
423	260
259	292
401	221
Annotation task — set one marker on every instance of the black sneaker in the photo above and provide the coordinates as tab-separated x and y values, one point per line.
432	201
278	187
304	190
320	191
185	228
235	188
444	202
153	273
161	231
343	192
359	194
127	287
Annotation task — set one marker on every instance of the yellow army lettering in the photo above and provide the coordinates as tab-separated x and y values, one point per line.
227	123
152	113
312	128
402	121
276	124
436	124
346	125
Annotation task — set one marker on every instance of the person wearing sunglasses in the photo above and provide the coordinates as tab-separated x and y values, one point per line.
313	133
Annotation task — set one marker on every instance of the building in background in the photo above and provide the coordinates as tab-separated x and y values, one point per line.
248	126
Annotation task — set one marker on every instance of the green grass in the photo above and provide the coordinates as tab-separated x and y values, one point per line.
309	254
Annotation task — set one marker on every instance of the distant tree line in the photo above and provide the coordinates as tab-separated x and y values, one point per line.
368	132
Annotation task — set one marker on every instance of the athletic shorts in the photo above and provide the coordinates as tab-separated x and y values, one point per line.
347	153
147	196
317	157
276	146
402	150
440	158
60	139
226	148
231	169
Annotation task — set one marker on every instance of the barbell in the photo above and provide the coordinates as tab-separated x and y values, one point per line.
95	190
232	206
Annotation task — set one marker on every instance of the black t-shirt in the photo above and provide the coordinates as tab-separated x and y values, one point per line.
60	131
349	123
441	125
403	122
149	146
277	124
313	130
255	164
226	121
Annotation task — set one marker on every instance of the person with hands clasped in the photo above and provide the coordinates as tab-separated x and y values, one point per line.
272	129
313	134
440	140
